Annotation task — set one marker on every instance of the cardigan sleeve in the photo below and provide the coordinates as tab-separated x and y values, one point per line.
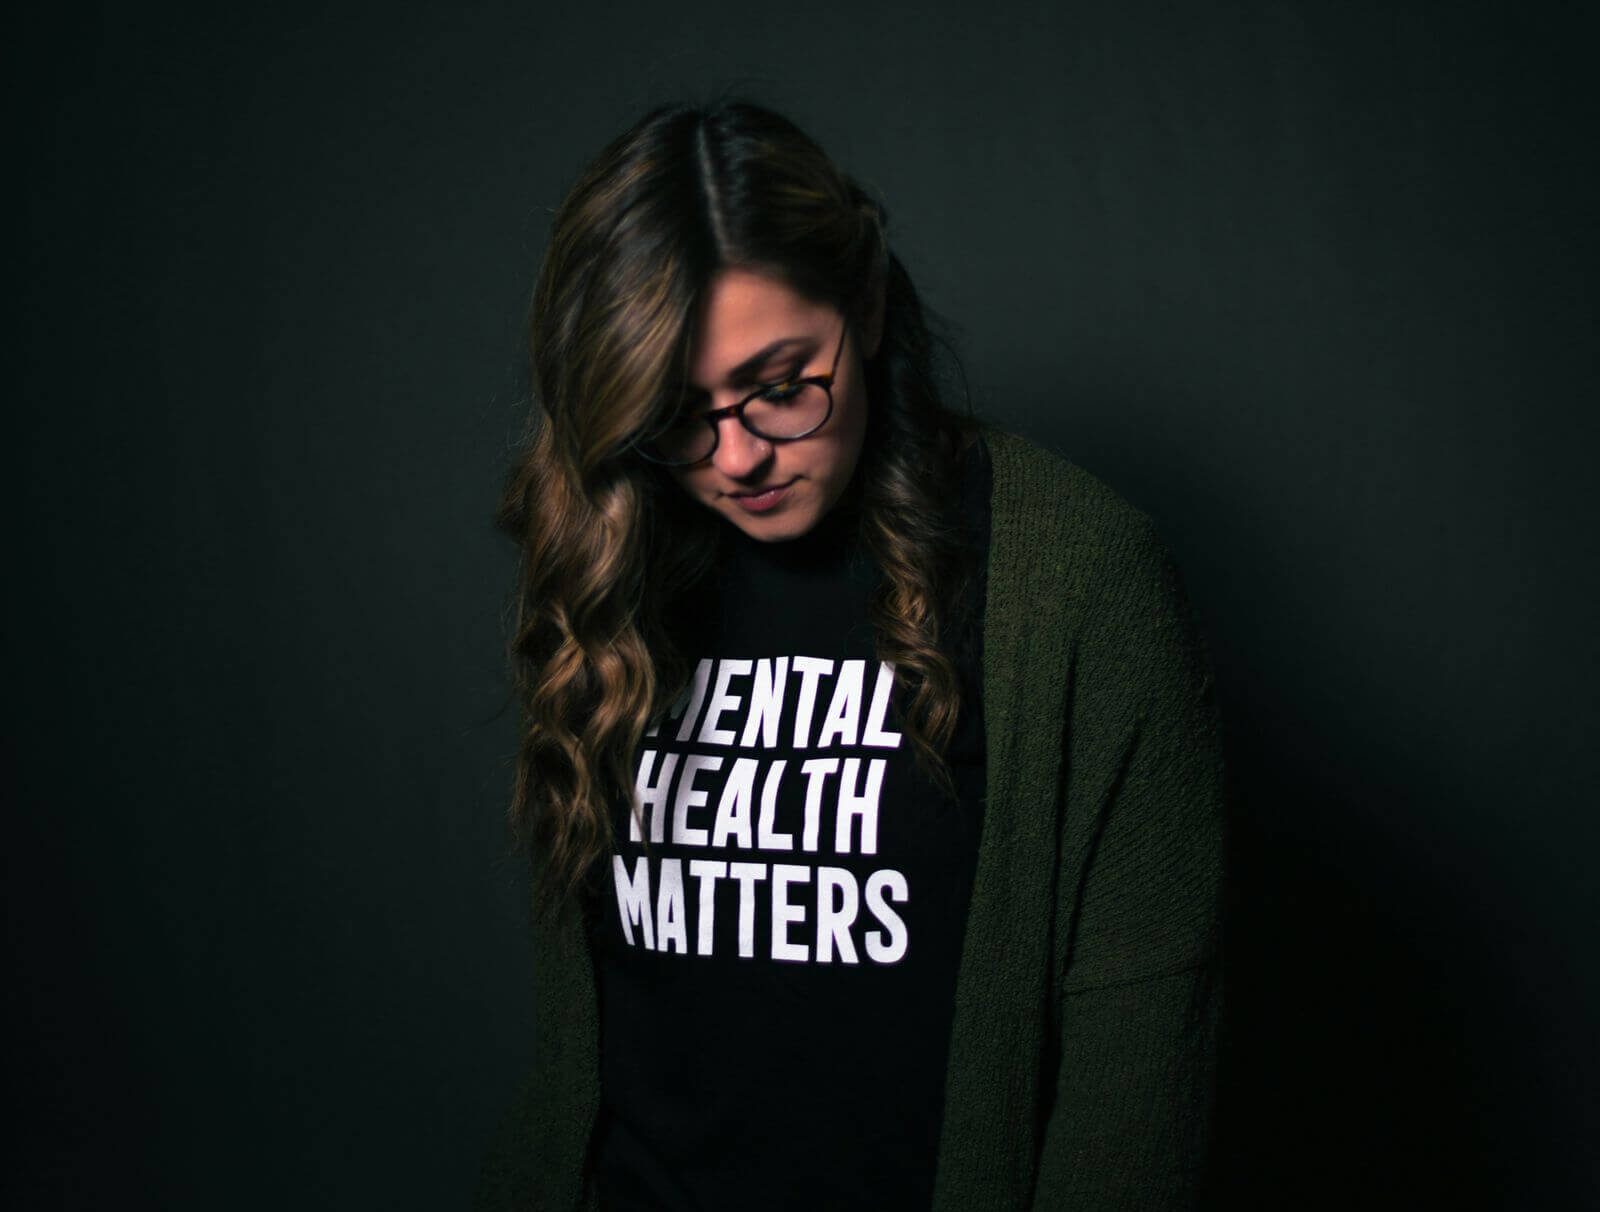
1138	987
536	1158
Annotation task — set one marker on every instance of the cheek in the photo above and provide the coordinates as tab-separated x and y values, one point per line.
852	436
687	480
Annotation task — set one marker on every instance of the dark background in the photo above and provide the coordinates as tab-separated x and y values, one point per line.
1310	283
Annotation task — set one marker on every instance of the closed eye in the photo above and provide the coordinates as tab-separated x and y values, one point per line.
781	393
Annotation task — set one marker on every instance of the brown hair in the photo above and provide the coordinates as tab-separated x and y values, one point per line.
608	542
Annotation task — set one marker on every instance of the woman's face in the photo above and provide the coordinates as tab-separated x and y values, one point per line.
754	330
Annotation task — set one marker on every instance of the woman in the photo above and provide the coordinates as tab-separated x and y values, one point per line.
868	767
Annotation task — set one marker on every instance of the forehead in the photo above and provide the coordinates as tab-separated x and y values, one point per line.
744	312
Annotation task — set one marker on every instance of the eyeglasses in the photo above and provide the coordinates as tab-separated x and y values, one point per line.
776	412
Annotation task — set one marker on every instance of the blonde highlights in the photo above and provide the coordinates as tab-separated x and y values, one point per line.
608	544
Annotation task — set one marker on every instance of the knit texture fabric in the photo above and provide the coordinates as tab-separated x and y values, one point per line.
1082	1049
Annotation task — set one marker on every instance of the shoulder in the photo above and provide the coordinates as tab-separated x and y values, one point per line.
1079	575
1034	484
1051	519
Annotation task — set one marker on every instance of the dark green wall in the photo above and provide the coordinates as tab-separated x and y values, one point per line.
1311	283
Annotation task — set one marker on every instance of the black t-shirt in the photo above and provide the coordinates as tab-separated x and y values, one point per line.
776	969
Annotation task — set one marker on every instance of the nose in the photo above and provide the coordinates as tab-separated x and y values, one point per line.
739	455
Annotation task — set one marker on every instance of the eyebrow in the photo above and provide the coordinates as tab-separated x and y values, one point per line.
745	373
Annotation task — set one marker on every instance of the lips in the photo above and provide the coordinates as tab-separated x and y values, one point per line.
762	499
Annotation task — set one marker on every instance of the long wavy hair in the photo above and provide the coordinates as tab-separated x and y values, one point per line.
609	543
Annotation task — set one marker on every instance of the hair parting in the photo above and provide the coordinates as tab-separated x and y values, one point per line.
609	545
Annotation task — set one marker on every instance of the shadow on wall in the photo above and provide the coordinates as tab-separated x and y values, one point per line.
1350	1074
1391	1035
1400	1019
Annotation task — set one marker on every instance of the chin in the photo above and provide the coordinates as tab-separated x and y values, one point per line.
771	528
790	520
776	526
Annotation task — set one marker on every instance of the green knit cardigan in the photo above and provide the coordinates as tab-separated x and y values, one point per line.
1082	1051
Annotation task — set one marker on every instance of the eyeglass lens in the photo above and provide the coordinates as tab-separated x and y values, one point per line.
782	412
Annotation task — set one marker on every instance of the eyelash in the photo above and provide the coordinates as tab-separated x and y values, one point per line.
698	405
793	373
